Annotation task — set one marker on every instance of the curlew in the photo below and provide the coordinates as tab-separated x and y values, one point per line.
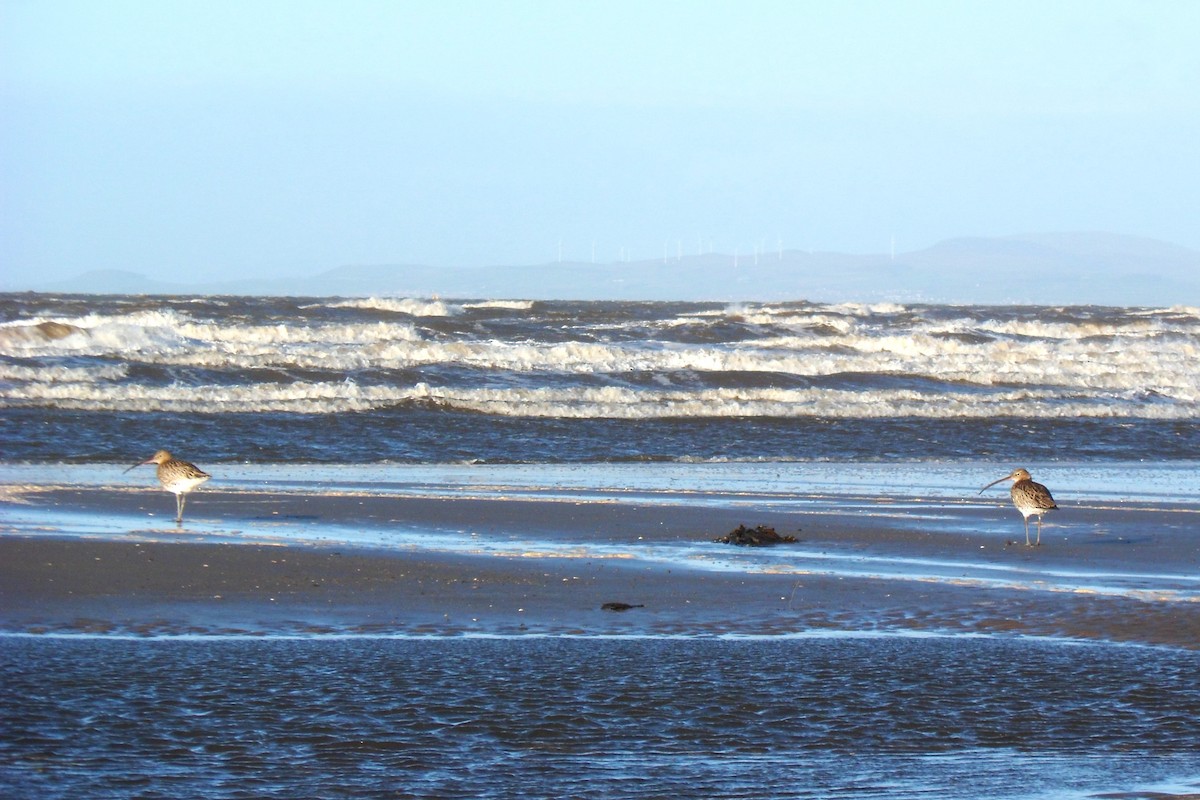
177	477
1031	499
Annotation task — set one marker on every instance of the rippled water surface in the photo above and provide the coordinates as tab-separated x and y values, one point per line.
283	380
887	717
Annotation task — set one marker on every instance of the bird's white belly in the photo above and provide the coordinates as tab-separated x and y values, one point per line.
183	485
1029	511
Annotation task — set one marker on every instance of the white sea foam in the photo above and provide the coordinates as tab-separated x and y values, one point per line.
426	308
512	305
613	402
168	337
402	305
968	364
62	374
1164	369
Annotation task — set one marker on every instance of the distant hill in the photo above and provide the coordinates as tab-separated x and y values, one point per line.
116	281
1055	268
1043	269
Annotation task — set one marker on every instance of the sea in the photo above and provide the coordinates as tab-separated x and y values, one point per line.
285	380
576	386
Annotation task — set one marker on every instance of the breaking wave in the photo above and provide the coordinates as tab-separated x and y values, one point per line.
600	360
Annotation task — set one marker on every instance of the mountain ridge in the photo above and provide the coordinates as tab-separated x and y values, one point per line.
1074	268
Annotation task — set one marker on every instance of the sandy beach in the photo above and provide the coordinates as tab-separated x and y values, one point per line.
328	558
448	631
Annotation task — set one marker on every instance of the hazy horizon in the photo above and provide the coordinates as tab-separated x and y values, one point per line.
1037	269
199	142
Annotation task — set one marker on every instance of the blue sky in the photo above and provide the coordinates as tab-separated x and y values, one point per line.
206	140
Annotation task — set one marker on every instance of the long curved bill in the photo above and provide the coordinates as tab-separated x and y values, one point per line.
993	483
140	463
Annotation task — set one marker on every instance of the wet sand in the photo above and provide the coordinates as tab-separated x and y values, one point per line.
256	562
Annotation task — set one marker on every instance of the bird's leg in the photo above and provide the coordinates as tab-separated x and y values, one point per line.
1027	544
180	499
1039	539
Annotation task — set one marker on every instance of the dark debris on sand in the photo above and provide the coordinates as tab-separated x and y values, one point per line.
620	606
759	536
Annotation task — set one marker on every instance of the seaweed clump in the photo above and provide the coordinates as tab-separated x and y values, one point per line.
759	536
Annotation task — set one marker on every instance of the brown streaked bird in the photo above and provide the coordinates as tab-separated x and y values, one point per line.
1031	499
177	477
